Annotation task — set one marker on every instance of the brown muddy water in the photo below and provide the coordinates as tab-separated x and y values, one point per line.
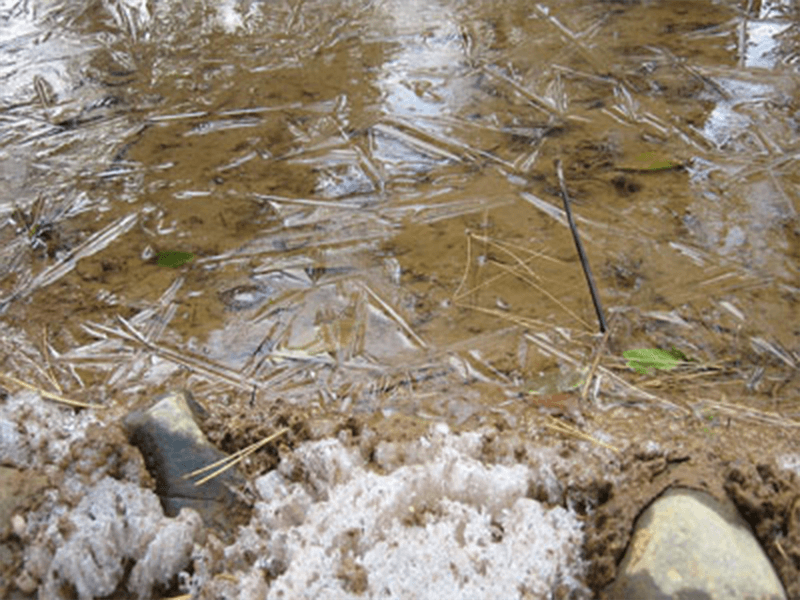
369	194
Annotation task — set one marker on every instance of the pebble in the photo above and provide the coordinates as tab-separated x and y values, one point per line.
19	526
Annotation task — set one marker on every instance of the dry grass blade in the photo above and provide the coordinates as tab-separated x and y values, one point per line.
467	152
461	283
564	428
598	355
438	120
522	321
521	263
541	103
178	116
509	248
717	278
50	395
595	59
667	317
750	413
397	318
780	549
514	271
698	371
480	286
415	141
641	392
342	205
558	214
539	288
235	458
551	350
780	353
428	213
458	293
551	211
48	370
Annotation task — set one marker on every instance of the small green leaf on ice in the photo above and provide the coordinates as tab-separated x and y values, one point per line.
650	161
646	359
660	165
174	259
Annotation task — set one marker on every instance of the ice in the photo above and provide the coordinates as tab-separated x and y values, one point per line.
116	523
33	431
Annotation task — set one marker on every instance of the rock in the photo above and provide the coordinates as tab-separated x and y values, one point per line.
173	445
686	544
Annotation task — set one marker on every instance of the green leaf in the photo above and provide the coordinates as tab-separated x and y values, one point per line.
659	165
646	359
174	259
650	161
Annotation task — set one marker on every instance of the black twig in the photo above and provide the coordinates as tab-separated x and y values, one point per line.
584	262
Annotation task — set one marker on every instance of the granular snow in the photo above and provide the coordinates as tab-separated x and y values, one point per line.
447	527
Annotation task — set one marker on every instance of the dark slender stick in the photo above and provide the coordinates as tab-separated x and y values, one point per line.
584	262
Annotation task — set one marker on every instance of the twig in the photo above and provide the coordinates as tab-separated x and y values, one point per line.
584	262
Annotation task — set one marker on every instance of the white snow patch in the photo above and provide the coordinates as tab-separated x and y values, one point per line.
446	526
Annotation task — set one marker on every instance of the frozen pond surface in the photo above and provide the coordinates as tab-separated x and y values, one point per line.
378	243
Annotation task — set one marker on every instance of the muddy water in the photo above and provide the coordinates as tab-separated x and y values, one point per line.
369	194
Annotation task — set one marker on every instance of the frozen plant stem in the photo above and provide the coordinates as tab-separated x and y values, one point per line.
587	270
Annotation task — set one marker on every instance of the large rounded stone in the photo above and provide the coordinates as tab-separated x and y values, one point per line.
689	545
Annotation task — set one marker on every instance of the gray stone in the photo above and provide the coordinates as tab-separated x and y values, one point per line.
173	445
689	545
